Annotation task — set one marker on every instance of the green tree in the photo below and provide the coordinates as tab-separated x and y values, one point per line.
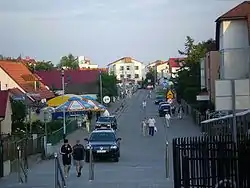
188	78
41	66
109	86
18	116
69	61
150	76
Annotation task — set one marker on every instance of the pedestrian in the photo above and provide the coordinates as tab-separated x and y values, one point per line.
167	119
180	111
66	152
78	156
144	104
151	126
144	127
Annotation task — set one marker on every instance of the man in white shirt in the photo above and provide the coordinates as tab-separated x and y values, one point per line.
167	119
151	126
144	104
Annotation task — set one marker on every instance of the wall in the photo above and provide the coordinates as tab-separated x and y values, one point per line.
212	66
6	123
162	70
7	82
234	48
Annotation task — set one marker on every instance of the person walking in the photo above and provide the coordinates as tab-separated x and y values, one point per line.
167	119
66	152
144	104
78	156
180	111
144	127
151	126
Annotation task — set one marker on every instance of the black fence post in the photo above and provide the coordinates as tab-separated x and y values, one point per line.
186	177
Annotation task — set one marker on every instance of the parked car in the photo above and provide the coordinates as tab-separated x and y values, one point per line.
104	144
163	109
159	99
106	121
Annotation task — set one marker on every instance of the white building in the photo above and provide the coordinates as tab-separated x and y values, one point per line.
232	37
127	69
85	63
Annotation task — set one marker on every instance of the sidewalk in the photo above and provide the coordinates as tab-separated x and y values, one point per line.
36	159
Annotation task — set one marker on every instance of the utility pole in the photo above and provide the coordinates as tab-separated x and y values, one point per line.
64	113
101	94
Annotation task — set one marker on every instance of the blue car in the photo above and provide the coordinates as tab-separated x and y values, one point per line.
159	99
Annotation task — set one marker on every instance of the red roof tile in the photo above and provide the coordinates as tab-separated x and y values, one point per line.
4	95
53	78
25	79
174	62
240	12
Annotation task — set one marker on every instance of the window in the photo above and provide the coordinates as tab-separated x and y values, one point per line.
121	68
136	67
136	75
102	136
121	76
128	75
128	67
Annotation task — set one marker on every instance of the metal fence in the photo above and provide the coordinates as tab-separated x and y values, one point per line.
211	161
224	125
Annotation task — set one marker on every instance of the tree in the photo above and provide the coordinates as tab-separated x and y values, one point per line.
69	61
41	66
18	116
150	76
188	78
109	86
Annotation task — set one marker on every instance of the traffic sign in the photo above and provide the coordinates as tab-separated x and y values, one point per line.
170	94
106	99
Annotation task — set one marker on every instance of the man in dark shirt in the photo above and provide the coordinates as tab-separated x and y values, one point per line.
78	156
66	151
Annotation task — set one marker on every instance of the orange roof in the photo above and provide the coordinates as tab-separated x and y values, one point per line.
126	60
25	79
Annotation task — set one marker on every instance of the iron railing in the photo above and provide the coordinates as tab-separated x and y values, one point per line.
209	161
60	181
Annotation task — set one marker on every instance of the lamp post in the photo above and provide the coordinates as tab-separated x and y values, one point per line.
64	116
101	94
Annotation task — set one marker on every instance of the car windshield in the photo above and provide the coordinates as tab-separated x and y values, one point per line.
165	107
102	137
159	97
105	119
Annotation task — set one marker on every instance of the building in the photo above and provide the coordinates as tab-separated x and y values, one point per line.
162	69
17	75
76	81
85	63
127	69
174	65
5	113
210	71
232	38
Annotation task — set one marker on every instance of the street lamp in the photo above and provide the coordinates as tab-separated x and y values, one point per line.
100	75
64	116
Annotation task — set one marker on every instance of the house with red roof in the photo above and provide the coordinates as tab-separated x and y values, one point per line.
76	81
174	65
5	113
233	39
17	75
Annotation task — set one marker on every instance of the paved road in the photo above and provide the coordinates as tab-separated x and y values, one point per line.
142	163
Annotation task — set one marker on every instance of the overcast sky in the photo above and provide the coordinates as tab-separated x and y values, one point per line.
105	30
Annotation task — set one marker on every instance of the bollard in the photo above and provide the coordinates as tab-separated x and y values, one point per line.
18	164
56	170
167	161
91	165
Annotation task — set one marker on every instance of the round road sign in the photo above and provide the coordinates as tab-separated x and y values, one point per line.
106	99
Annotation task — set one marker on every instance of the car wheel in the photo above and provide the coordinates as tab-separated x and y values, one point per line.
116	159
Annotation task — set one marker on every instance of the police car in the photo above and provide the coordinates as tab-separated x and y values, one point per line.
104	144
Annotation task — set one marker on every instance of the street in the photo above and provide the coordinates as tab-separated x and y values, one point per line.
142	162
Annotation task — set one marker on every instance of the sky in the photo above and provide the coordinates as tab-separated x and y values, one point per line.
106	30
